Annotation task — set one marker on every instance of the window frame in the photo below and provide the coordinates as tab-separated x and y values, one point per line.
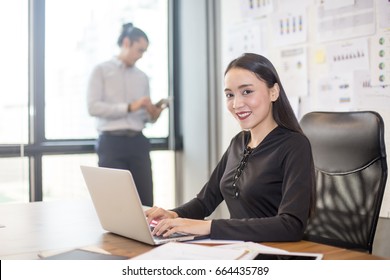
38	145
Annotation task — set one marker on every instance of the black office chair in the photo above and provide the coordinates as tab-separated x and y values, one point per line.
351	172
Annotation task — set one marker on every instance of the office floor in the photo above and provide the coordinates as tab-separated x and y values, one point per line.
382	240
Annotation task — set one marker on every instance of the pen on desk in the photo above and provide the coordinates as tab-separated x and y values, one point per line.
243	254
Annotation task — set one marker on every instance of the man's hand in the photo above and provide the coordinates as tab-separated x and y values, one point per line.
143	102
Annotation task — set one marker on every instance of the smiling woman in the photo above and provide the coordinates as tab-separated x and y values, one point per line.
250	100
266	175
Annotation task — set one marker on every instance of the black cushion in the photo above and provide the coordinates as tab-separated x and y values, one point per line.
351	172
345	141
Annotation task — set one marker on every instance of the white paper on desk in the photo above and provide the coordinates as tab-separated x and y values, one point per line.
185	251
252	248
214	241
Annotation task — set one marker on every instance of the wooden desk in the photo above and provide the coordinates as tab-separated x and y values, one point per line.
42	227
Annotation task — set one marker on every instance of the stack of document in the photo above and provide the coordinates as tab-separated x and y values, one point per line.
252	249
207	250
188	251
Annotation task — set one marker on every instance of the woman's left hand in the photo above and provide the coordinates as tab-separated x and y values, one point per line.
166	227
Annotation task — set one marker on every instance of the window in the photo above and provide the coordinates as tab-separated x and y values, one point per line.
14	180
74	47
62	178
43	106
14	72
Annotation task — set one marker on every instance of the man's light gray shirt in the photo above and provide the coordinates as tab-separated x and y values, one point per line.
112	86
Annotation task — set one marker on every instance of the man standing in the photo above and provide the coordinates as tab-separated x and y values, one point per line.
118	96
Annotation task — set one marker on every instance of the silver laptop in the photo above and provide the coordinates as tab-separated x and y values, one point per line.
118	206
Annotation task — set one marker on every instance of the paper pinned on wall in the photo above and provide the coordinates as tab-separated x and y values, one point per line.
254	9
376	98
348	56
295	102
380	59
293	71
369	95
247	37
320	56
335	93
337	4
336	22
290	27
383	12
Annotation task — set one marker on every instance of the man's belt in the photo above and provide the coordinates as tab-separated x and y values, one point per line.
122	132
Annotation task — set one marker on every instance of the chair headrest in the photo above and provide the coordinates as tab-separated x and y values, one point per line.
344	141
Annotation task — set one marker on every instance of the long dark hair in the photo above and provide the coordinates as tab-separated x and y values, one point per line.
282	112
131	32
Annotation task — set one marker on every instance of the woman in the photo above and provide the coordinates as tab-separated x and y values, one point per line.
266	175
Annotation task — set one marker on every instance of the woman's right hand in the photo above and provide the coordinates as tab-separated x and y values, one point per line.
156	213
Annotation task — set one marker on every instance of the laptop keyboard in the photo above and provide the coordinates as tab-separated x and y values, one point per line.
173	235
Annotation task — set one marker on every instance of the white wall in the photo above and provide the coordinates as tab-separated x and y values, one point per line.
192	162
257	30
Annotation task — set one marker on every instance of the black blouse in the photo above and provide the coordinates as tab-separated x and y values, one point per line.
274	189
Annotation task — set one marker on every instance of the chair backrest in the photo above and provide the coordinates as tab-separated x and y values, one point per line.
351	172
